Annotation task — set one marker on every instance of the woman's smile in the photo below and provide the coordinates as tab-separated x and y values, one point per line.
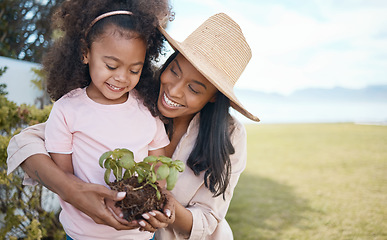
169	102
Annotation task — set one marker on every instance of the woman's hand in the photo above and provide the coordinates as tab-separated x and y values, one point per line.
156	219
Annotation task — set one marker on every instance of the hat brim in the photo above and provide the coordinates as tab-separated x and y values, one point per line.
203	66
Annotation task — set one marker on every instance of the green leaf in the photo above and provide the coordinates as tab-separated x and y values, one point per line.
165	160
103	157
179	165
126	151
152	177
140	172
127	161
140	178
162	172
116	173
116	153
107	176
112	163
107	163
144	166
150	159
114	168
127	174
172	178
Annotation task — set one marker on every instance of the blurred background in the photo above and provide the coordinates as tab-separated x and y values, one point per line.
313	60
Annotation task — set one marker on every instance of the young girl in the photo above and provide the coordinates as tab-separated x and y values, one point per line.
99	73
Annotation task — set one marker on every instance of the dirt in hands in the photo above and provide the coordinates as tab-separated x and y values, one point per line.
138	199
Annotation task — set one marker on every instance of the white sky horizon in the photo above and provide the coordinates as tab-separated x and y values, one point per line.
300	44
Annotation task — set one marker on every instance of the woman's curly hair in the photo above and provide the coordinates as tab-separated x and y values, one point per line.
63	63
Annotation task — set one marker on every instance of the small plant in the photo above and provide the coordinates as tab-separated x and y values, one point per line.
139	180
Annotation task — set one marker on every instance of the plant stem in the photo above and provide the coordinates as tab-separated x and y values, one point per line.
138	188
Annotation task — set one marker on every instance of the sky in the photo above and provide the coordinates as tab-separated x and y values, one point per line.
300	44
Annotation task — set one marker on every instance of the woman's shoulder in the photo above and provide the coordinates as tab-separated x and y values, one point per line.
239	141
238	129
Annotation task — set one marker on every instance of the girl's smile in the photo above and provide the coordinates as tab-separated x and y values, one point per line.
114	88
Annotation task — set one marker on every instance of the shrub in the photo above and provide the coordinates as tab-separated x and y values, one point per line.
24	210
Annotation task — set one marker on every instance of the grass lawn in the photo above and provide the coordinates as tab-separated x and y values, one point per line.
312	181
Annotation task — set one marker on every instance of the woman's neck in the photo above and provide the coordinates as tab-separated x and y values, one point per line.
180	126
182	122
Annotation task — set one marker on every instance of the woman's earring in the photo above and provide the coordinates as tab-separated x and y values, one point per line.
85	60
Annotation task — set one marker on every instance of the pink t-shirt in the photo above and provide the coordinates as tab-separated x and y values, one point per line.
86	129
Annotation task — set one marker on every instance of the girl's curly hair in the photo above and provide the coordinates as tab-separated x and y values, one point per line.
63	63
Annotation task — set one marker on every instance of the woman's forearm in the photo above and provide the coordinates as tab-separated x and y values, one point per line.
42	169
183	220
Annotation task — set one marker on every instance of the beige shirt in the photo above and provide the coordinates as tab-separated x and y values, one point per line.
208	212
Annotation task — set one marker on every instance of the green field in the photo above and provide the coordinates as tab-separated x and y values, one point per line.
312	181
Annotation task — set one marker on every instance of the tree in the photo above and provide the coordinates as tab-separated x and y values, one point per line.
25	30
40	83
2	85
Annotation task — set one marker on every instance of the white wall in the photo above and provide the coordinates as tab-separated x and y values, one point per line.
18	78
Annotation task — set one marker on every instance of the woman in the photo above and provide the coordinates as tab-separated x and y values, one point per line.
196	91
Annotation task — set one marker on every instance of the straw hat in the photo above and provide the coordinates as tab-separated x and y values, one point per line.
219	51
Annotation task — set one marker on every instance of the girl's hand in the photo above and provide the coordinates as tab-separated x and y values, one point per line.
91	199
156	219
86	197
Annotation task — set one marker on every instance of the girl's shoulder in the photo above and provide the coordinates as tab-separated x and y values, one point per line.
135	96
70	98
75	93
72	94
